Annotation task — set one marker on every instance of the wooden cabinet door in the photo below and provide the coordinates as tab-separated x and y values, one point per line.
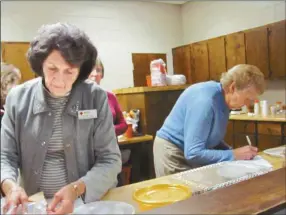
268	141
235	49
217	64
244	127
268	128
15	53
182	61
229	134
257	49
141	66
277	46
200	62
240	140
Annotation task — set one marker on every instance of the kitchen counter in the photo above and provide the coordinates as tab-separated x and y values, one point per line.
277	118
133	90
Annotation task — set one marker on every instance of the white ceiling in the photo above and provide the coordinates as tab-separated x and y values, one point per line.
173	2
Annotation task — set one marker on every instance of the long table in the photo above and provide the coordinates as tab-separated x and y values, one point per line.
264	194
125	193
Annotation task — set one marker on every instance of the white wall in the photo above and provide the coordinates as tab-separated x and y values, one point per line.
116	28
207	19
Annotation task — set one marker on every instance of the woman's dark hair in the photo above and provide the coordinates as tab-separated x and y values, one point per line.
73	44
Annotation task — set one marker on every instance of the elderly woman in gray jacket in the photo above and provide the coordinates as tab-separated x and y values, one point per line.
58	128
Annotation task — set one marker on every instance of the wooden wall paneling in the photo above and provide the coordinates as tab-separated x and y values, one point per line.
217	57
257	49
199	62
15	53
182	62
277	49
158	107
187	63
141	66
177	60
235	49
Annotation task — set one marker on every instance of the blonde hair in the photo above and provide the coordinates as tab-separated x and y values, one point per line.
9	75
98	63
244	76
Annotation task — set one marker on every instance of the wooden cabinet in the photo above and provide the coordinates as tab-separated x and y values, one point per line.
229	134
263	47
182	61
269	128
244	127
257	49
234	49
15	53
200	62
217	58
277	49
268	141
141	66
154	103
264	135
240	140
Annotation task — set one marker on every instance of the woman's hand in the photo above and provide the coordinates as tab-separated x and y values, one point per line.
245	153
63	201
15	196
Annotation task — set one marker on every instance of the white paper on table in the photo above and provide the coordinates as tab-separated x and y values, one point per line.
241	168
258	160
277	151
224	174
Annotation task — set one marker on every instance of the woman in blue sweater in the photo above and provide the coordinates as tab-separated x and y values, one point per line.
192	135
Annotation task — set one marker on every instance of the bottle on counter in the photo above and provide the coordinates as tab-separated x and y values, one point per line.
256	107
264	108
278	107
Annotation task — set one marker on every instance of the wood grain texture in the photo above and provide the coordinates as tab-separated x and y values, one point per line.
235	49
269	128
134	140
268	141
257	49
252	196
229	134
141	66
200	62
15	53
217	57
277	49
133	90
154	107
182	61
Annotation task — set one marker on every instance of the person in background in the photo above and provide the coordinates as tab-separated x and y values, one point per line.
192	135
118	120
57	129
10	77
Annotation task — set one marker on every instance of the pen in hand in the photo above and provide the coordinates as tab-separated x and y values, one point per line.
248	140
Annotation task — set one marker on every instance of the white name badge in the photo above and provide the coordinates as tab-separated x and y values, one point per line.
87	114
